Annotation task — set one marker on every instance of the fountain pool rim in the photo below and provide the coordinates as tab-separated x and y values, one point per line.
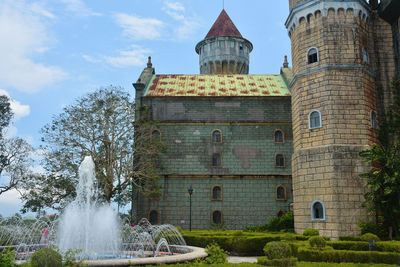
189	253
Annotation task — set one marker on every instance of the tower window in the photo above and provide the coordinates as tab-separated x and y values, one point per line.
317	211
232	44
241	46
312	55
217	136
155	136
216	192
365	55
279	161
153	217
278	137
216	160
314	120
221	44
374	124
216	217
281	193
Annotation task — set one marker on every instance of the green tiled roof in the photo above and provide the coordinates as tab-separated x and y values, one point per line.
217	85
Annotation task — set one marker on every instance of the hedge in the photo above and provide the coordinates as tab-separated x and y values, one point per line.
305	254
277	262
387	246
350	238
250	245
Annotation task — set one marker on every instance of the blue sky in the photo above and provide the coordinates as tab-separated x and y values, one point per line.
54	51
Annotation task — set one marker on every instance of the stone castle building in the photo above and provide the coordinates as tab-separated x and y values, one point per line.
254	146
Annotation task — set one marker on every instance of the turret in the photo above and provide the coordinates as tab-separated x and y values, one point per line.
224	50
334	107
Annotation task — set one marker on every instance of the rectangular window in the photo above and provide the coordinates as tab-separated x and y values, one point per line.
232	44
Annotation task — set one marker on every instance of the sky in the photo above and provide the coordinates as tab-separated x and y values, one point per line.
55	51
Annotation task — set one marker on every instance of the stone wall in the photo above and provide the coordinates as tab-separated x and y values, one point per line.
245	201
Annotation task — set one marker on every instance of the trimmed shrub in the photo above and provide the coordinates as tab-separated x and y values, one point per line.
284	223
288	237
46	258
368	236
215	254
350	238
277	250
386	246
310	232
317	242
373	228
277	262
305	254
7	258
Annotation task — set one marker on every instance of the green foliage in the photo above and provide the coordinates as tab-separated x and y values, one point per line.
277	250
5	113
349	238
386	246
7	258
373	228
70	258
285	222
244	243
288	237
369	236
46	257
216	254
305	254
311	232
383	179
277	262
317	242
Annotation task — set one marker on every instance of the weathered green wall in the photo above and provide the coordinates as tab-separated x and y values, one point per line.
246	201
245	149
248	175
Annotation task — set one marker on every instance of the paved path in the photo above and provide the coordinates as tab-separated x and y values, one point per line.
235	259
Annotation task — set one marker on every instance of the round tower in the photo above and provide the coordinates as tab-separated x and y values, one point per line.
224	50
334	113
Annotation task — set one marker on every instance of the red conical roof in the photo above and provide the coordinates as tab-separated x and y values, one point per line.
223	26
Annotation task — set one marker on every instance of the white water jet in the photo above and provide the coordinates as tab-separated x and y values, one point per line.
87	225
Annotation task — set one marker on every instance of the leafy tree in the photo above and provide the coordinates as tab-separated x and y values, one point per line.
5	113
100	124
15	153
383	197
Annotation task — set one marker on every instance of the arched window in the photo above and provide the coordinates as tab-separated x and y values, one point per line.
216	192
365	55
216	136
216	217
155	136
374	124
153	217
312	55
317	211
281	193
155	160
314	120
279	137
216	160
279	161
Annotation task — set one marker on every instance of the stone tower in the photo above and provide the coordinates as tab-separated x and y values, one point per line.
334	107
224	50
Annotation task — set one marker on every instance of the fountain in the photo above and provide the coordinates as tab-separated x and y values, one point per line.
93	229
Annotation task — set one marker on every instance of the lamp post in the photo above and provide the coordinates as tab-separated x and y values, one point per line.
190	191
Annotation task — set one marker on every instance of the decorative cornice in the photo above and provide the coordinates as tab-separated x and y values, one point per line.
332	67
310	7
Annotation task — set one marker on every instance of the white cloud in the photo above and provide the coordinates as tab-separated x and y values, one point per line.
177	11
23	34
18	109
11	197
138	28
135	56
79	8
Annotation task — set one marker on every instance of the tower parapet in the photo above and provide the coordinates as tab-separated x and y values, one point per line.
224	50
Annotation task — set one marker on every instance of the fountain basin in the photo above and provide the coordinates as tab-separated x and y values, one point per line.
186	253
